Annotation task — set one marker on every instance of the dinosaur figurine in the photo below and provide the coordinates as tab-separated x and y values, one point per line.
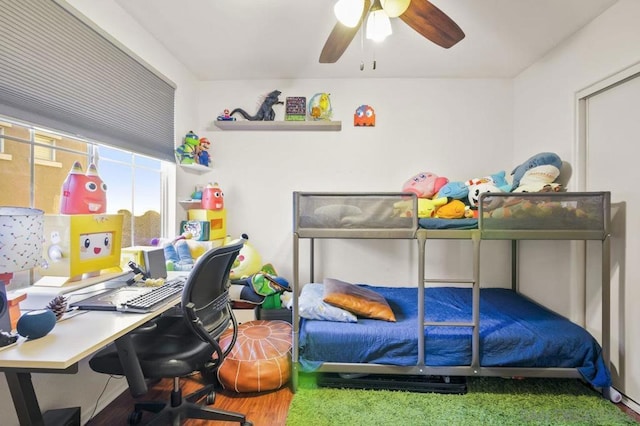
266	112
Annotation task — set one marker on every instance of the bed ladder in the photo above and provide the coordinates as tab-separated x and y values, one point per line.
475	317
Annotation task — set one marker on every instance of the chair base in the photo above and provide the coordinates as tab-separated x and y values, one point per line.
182	408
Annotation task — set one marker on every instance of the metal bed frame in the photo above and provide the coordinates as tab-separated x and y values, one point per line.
476	236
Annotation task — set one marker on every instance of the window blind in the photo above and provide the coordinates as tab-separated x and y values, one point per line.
58	72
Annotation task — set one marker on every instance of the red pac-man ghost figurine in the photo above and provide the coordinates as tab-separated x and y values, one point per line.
365	116
83	193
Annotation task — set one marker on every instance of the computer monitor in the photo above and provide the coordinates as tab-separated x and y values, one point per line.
81	245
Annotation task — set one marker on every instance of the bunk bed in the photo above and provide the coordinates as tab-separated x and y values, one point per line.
453	328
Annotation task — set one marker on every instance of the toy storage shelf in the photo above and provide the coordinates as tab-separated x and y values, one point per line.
197	167
334	126
190	203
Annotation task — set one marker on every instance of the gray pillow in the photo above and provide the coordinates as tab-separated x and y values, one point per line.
311	306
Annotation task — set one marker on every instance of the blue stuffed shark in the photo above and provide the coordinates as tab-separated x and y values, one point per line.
540	159
460	190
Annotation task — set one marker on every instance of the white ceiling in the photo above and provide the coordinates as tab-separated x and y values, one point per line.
282	39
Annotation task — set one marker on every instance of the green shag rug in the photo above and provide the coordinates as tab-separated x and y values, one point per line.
489	401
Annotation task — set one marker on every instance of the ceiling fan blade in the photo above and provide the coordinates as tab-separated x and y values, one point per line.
340	38
432	23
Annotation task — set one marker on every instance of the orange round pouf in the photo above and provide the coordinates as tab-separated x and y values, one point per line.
261	358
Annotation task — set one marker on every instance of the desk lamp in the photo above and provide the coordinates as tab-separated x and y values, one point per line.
21	233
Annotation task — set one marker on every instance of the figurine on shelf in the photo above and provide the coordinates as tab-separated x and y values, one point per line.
225	116
265	112
320	107
202	151
186	153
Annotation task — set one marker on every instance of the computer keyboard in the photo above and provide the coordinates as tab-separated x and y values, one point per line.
155	298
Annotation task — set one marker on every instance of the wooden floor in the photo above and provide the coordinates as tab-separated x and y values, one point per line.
262	409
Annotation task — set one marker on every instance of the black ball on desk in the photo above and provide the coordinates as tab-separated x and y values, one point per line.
36	324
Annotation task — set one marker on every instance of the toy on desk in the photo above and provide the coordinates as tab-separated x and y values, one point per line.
364	116
186	153
225	116
178	256
83	193
265	112
320	107
202	152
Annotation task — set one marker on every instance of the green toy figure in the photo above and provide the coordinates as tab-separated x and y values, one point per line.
186	153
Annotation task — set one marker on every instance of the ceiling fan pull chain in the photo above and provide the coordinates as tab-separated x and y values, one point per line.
361	50
374	57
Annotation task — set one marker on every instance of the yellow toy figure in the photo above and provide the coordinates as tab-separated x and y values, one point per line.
247	263
426	207
320	107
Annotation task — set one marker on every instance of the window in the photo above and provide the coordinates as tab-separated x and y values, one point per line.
44	149
39	161
3	156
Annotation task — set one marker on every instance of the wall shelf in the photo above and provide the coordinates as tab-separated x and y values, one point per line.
190	202
197	167
334	126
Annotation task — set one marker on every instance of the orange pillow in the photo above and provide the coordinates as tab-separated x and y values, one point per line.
359	300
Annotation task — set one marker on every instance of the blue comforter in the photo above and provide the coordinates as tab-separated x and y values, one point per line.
514	332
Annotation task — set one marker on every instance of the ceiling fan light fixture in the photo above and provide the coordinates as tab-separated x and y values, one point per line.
348	12
378	23
395	8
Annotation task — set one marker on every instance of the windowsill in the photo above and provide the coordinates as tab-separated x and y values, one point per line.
48	163
7	157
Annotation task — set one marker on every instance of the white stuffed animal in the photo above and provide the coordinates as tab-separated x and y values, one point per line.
539	179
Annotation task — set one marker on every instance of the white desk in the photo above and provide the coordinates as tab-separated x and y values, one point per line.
59	352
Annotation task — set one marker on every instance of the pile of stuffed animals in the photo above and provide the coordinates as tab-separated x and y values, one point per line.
440	198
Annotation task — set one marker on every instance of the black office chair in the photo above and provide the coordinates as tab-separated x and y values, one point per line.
178	345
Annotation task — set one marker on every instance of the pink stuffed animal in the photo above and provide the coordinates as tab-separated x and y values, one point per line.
425	184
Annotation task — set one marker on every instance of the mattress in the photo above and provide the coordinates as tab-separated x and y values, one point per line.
514	332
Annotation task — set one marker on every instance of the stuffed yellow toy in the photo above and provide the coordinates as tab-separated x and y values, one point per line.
426	207
454	209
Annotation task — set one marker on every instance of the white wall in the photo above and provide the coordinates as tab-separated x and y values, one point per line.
454	128
545	115
84	388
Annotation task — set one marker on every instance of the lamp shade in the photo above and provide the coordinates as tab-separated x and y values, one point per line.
21	233
349	12
378	25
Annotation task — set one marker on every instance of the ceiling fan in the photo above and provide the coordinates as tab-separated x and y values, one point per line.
421	15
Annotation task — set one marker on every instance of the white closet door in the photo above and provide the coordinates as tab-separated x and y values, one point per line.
613	160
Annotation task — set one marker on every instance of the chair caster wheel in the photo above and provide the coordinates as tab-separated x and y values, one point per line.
247	423
135	418
211	398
